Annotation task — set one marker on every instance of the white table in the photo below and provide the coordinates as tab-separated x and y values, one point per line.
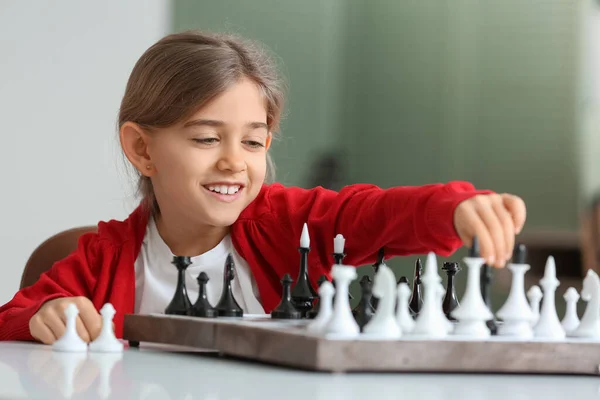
30	370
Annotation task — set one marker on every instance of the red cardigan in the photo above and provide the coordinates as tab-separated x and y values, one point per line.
403	220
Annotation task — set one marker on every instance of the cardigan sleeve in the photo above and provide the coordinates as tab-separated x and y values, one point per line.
403	220
71	277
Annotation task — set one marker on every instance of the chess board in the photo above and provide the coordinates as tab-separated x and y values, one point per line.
287	343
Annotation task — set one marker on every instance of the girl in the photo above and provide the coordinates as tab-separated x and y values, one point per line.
196	121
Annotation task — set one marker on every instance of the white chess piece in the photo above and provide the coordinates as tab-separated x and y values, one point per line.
571	320
383	323
70	341
326	292
431	321
516	313
548	326
473	313
107	342
589	327
342	323
534	294
403	317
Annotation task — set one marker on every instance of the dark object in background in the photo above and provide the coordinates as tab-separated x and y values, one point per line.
327	172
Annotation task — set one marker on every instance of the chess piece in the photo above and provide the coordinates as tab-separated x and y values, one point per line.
326	292
70	341
315	310
589	327
202	307
416	300
403	316
450	301
548	326
338	248
285	309
473	313
380	261
342	323
303	293
227	306
364	310
431	321
180	304
485	281
516	313
534	294
107	342
403	279
570	322
383	324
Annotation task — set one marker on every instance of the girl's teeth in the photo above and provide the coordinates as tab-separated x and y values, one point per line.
224	189
231	190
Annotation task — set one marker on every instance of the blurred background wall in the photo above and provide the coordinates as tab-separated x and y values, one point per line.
502	94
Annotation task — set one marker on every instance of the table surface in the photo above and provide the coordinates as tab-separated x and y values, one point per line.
29	370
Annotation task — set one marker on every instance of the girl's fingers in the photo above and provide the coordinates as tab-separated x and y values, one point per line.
495	232
508	228
479	229
517	210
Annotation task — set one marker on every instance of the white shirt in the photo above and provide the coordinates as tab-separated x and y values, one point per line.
156	276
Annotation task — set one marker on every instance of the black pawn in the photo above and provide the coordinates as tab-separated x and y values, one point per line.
450	300
315	310
285	309
416	298
364	311
202	308
180	304
303	293
227	306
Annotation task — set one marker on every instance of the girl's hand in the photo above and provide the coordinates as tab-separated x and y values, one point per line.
495	219
49	323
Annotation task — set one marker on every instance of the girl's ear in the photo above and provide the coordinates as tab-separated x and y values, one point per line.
134	142
268	141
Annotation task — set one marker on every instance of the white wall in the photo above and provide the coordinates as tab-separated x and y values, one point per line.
63	69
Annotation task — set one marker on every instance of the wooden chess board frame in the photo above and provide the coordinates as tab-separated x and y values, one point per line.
286	343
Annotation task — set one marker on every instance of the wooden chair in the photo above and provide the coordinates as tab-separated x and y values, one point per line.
50	251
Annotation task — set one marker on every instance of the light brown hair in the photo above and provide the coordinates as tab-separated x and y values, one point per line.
182	72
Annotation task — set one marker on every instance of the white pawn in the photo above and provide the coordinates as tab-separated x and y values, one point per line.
534	294
403	317
70	341
589	327
107	342
342	323
326	292
571	320
383	324
431	322
548	326
473	313
516	313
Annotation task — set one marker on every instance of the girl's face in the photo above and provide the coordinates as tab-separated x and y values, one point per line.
209	168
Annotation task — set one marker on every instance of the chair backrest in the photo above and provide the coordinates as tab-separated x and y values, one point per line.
50	251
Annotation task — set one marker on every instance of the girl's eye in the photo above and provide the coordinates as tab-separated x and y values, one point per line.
254	144
205	140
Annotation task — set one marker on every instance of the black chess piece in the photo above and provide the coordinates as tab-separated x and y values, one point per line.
180	304
227	306
380	261
303	293
485	280
416	298
202	307
286	309
450	300
315	310
364	311
519	254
